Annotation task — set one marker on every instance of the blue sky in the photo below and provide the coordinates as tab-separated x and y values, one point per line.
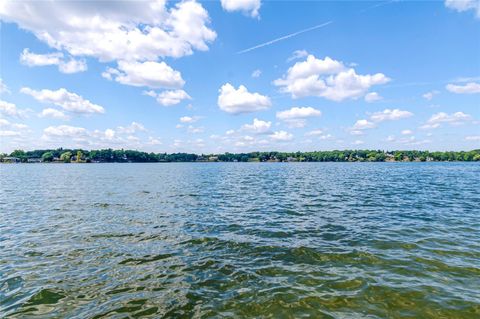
240	76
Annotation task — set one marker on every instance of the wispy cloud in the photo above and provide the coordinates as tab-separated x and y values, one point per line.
291	35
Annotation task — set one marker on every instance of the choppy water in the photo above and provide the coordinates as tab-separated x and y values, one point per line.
311	240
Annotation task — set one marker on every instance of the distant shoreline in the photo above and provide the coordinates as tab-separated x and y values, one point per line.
61	155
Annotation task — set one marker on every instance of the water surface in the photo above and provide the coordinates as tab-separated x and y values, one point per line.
222	240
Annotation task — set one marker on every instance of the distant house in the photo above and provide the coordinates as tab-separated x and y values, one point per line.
34	160
291	159
11	159
213	158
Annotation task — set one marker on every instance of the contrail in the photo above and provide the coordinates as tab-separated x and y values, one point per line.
285	37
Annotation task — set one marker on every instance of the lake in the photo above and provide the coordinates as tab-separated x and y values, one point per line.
243	240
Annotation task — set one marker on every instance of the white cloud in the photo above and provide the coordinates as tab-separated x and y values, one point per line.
378	117
132	128
9	133
469	88
429	95
390	115
3	87
358	142
239	100
168	98
120	137
298	112
154	141
189	119
32	59
314	133
281	136
9	109
248	7
17	128
297	54
64	131
363	125
326	137
256	73
195	130
296	116
72	66
372	97
149	74
327	78
464	5
407	132
472	138
68	101
54	113
57	58
442	117
115	30
357	132
258	126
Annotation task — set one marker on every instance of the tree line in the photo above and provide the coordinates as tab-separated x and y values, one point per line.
121	156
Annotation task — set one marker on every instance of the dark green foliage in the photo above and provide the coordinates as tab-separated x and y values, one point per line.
125	156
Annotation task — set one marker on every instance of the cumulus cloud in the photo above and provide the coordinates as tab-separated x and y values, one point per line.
378	117
327	78
296	116
9	109
3	87
363	125
54	113
149	74
248	7
195	130
130	136
239	100
256	73
18	127
390	115
297	54
14	130
64	131
189	119
132	128
429	95
437	119
115	30
258	126
469	88
57	58
472	138
169	98
314	133
464	5
68	101
411	140
281	136
372	97
407	132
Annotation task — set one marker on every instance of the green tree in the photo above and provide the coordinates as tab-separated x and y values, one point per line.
65	157
79	156
47	156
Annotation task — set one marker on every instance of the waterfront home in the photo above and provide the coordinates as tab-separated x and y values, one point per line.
11	159
34	160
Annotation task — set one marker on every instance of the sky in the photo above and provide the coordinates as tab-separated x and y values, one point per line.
240	75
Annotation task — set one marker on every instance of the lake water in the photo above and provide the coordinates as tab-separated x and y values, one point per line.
242	240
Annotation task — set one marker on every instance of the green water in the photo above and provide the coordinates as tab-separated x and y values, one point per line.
240	240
